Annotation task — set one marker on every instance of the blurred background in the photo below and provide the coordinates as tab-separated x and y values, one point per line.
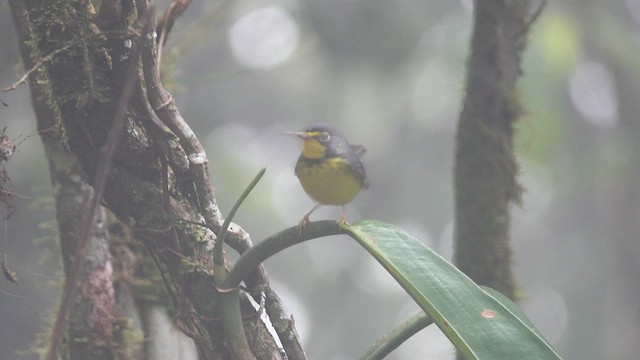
390	75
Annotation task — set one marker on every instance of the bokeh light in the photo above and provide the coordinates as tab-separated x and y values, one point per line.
264	37
435	96
593	93
392	77
547	309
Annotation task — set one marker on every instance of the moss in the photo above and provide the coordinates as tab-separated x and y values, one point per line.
200	282
190	266
485	185
128	340
59	21
84	85
486	169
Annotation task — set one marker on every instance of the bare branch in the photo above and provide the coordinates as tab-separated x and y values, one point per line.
174	10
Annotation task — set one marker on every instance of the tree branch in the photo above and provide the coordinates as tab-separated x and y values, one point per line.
174	10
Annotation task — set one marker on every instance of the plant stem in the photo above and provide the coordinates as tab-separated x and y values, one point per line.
274	244
218	259
396	336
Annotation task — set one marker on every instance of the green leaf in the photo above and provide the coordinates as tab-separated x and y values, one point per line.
477	322
513	307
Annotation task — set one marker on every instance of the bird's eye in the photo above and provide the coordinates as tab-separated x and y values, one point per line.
324	136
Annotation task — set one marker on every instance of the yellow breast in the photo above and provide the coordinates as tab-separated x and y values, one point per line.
330	181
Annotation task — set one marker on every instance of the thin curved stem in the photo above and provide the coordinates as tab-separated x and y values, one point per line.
399	334
248	262
274	244
217	247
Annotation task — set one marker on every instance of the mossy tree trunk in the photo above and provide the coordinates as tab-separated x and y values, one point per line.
159	180
485	166
94	326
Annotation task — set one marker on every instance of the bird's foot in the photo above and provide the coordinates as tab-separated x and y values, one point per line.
303	223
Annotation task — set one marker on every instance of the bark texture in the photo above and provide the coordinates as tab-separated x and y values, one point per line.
91	330
159	182
485	167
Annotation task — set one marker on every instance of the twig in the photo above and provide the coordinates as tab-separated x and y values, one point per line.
174	10
43	61
284	325
149	244
47	58
532	19
102	174
8	274
162	135
12	277
163	104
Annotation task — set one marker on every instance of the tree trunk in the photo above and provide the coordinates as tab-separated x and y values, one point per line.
91	330
159	180
485	166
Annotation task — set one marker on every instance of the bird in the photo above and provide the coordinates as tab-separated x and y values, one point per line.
329	169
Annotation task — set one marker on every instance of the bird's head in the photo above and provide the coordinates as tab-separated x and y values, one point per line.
320	141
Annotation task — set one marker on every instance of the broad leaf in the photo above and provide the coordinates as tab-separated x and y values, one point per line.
481	324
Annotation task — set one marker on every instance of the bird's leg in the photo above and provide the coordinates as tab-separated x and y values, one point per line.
305	219
343	219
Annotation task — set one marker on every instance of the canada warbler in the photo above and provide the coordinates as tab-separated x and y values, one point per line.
329	168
